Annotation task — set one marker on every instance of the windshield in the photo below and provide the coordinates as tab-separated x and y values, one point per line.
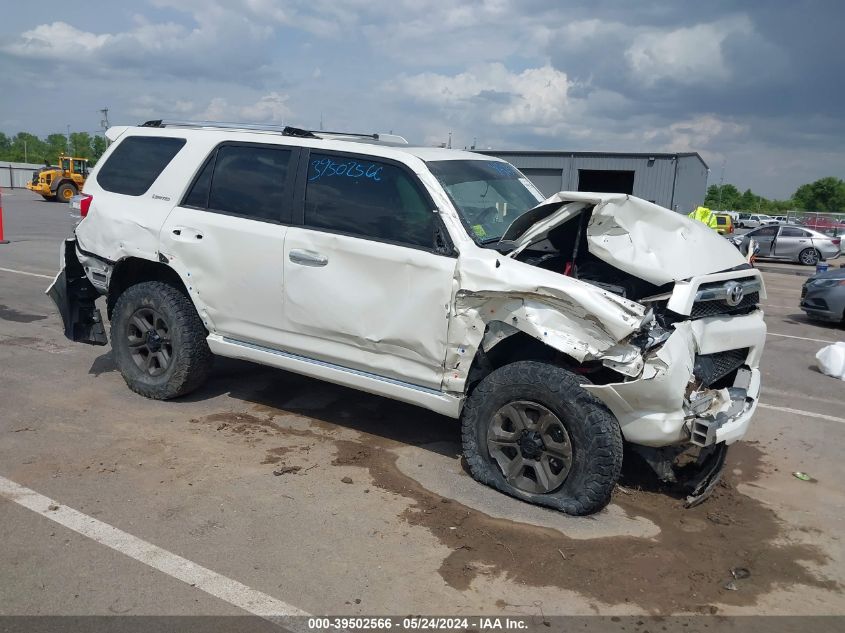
488	194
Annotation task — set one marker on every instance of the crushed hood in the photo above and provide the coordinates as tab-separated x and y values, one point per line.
633	235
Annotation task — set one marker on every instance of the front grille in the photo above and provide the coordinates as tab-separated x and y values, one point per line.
35	178
701	309
710	368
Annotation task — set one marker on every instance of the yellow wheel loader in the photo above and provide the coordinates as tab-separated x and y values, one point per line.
60	182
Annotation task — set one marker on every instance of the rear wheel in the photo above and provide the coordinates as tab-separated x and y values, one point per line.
531	431
65	192
809	257
158	341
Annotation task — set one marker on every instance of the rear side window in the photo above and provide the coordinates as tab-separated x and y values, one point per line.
367	198
243	180
769	231
135	164
788	231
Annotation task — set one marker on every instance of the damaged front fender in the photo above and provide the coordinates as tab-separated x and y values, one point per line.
581	321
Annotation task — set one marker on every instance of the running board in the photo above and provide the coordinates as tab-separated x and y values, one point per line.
355	378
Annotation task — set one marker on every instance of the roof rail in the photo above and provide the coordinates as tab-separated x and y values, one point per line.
284	130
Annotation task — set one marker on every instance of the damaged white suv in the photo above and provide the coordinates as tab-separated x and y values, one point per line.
553	328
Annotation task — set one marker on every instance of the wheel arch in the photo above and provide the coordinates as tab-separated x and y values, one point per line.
130	271
512	345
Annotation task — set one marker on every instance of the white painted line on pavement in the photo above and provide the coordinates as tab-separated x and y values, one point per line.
26	272
802	338
187	571
808	414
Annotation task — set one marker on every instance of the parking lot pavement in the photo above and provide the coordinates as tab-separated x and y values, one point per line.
266	488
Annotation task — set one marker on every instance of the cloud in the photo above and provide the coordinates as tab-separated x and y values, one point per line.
753	83
53	41
533	97
687	55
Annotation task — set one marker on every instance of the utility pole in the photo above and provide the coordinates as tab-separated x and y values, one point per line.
449	145
721	181
25	155
68	140
104	122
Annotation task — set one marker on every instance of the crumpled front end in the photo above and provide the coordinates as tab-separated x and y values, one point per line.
701	386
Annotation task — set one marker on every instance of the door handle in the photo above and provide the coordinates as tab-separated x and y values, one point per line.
307	258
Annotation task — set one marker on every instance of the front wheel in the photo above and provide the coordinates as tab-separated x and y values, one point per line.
531	431
158	341
809	257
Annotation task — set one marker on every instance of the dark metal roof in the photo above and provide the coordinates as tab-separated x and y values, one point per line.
643	155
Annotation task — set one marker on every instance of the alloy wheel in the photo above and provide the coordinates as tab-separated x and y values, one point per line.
150	345
531	446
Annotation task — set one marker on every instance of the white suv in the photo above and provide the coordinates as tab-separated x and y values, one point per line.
553	328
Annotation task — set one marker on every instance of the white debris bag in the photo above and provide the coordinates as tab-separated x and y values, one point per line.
831	360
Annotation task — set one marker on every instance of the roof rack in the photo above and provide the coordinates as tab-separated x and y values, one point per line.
284	130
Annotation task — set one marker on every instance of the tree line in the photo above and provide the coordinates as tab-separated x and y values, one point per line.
24	147
825	195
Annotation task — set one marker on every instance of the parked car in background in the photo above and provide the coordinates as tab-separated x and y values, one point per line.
792	243
724	224
823	296
755	220
830	225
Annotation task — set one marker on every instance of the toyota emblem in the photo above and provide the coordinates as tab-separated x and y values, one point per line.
733	293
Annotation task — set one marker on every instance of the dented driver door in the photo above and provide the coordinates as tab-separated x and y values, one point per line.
366	289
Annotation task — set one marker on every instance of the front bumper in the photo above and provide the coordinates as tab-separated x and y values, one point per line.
41	189
655	410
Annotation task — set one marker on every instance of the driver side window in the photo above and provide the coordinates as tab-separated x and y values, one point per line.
367	198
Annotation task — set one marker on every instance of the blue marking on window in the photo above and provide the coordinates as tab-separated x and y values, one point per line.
326	168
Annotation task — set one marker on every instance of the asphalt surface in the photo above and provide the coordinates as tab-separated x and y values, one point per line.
371	512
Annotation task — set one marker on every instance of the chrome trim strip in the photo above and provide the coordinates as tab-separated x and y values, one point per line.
321	363
720	293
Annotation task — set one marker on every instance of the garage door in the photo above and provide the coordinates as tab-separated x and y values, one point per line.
548	181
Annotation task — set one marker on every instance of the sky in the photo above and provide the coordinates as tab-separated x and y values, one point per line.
755	87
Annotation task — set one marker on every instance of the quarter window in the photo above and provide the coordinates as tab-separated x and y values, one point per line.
243	180
135	164
367	198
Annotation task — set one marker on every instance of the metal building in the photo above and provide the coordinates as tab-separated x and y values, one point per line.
674	181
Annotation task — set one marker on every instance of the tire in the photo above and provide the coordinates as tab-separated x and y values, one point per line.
809	257
160	319
594	437
65	192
